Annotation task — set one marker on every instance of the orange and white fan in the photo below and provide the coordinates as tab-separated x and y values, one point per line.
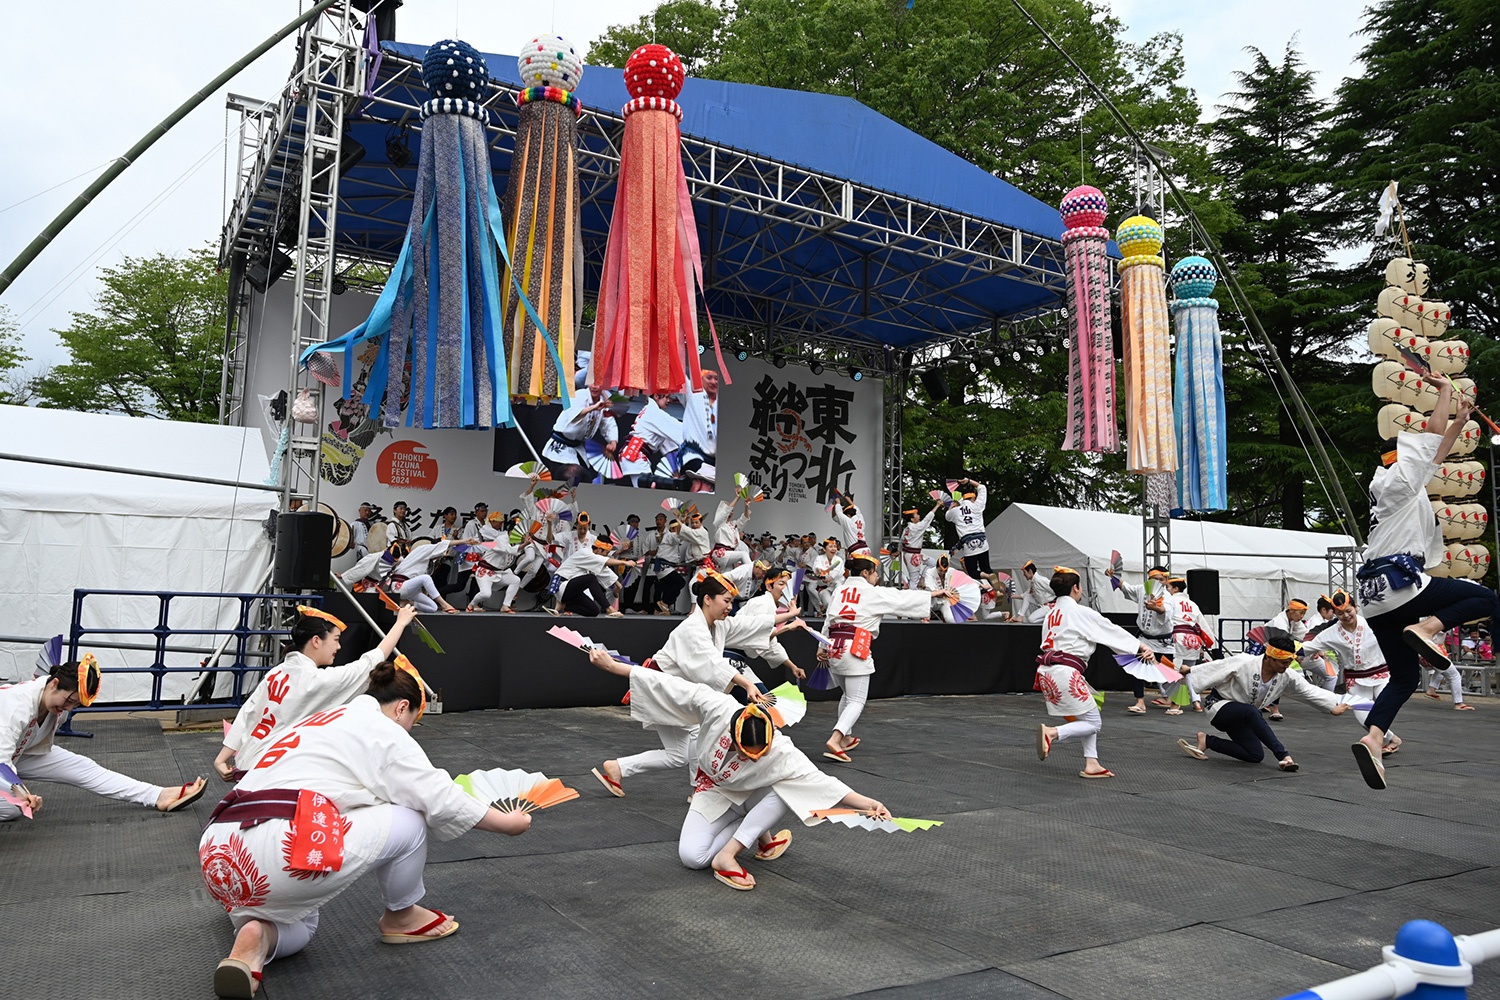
515	788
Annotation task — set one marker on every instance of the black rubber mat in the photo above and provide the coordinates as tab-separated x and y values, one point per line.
1175	879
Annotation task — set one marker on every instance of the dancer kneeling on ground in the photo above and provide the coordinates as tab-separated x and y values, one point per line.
1072	633
1395	590
1236	688
29	714
304	683
853	622
341	792
695	652
748	774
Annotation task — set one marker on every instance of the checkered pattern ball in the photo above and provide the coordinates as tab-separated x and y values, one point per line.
1194	278
654	71
1084	207
1139	236
452	68
550	61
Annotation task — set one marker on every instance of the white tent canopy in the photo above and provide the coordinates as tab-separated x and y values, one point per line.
1265	567
63	528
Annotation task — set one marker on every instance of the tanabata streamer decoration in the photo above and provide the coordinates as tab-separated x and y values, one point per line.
1148	354
543	212
646	333
859	819
438	319
1201	431
508	789
1091	358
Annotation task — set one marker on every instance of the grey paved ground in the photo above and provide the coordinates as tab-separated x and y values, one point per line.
1038	885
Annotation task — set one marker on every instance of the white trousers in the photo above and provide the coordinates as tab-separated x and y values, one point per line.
678	746
732	558
1087	727
398	867
1361	690
507	578
422	592
1455	682
702	839
856	692
68	768
913	571
943	609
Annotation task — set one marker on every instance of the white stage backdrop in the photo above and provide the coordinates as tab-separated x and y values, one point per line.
798	434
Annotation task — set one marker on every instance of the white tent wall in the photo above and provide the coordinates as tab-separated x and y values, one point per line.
63	528
1255	582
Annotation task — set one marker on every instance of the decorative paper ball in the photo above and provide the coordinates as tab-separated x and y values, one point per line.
549	61
1194	278
654	71
1139	236
452	68
1084	206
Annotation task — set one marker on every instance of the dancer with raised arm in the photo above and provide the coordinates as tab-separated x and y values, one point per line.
1073	631
912	537
1405	607
967	517
1152	619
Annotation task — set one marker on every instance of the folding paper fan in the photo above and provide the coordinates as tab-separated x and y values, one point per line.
789	705
1155	673
538	469
952	485
516	788
607	467
583	642
427	638
798	576
49	656
859	819
1117	566
550	505
967	601
1007	585
819	679
1255	640
670	504
8	780
939	496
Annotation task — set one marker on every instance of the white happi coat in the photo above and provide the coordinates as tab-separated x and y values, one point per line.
860	603
363	762
20	732
1155	623
669	554
373	566
852	529
1038	595
828	570
1402	520
694	652
695	544
912	537
574	424
730	531
583	562
763	644
967	517
1359	657
1296	629
1190	649
291	692
700	425
1075	629
1237	678
724	777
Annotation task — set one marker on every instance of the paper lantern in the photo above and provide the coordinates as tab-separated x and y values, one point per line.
1384	333
1401	273
1444	567
1401	306
1464	562
1091	358
1447	518
1435	319
1386	380
1479	559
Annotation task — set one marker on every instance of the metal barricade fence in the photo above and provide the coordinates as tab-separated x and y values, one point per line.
243	633
1426	962
1232	632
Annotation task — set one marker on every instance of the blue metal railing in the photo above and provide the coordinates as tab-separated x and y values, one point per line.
243	633
1426	962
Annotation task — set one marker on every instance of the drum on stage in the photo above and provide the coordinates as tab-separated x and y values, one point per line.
378	537
343	535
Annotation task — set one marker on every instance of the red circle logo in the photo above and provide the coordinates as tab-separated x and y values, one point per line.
406	465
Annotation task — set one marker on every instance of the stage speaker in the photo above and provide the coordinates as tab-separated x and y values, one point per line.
1203	588
936	385
303	551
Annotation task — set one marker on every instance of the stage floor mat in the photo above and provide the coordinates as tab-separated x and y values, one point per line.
1177	879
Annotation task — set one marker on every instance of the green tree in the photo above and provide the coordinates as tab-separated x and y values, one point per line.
12	379
1426	113
153	347
1267	143
690	28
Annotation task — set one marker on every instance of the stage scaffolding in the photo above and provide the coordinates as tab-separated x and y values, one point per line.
289	215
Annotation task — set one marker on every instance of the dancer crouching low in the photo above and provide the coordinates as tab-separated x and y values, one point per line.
343	791
747	773
1072	633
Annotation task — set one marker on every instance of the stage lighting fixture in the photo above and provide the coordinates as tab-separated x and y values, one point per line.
350	154
779	361
816	367
701	348
857	375
340	286
398	147
742	355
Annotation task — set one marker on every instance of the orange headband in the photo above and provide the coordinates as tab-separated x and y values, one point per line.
752	711
1296	605
1157	574
1279	654
1339	599
303	609
402	663
713	574
88	679
1388	458
1064	569
1177	579
912	511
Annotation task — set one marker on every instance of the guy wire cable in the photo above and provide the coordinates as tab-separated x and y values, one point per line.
1236	293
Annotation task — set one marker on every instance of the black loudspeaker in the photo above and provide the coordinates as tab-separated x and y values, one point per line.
303	550
936	385
1203	588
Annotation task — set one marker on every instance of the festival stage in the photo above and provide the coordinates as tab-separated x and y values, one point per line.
494	660
1177	880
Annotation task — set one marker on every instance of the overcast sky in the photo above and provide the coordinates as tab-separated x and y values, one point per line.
125	66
